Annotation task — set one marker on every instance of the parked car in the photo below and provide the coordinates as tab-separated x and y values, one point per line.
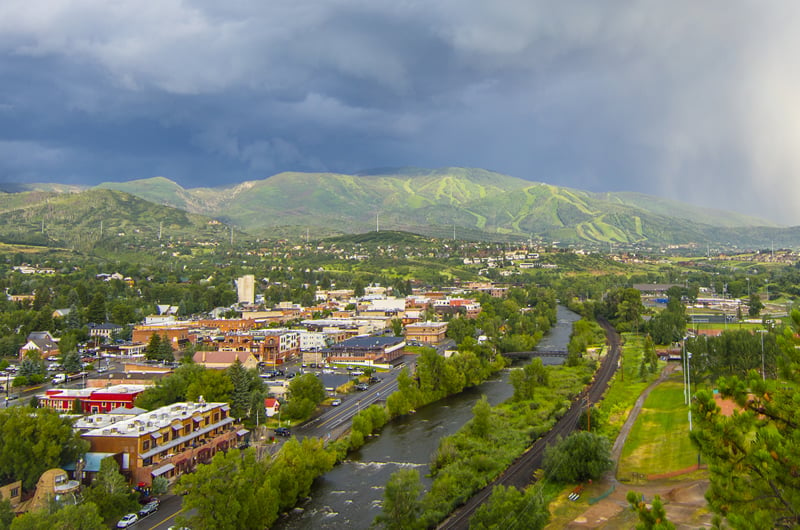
283	431
148	508
127	520
336	402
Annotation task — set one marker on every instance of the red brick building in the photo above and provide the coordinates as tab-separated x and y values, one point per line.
91	400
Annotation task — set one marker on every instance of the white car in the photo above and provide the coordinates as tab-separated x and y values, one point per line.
336	402
127	520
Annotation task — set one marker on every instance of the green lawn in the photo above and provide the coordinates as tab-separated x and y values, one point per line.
659	440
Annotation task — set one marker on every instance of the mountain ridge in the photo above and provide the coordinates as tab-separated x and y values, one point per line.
437	201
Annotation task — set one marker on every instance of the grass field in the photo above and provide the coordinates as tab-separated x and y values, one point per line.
625	386
659	440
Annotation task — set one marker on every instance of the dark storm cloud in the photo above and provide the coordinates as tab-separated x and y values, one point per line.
683	99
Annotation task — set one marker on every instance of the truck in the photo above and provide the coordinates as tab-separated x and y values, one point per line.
63	378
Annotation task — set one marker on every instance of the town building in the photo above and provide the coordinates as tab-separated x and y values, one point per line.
220	360
103	330
428	332
366	350
168	441
90	400
246	289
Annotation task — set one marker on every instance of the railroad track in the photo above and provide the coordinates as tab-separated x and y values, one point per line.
520	473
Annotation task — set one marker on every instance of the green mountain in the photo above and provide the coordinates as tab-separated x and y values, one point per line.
475	203
99	216
472	203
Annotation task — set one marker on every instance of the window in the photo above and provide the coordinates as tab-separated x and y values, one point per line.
145	445
15	492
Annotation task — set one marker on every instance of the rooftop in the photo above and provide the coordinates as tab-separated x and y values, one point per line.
155	420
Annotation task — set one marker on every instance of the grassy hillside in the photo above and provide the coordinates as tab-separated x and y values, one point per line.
476	202
82	220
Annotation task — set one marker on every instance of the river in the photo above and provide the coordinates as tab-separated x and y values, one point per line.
350	495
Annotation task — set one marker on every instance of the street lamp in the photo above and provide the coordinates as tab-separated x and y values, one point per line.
763	372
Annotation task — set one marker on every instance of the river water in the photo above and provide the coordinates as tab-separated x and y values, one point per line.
350	495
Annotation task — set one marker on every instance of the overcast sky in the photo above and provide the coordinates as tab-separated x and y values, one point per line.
696	101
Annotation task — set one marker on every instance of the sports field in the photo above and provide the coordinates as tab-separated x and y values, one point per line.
659	440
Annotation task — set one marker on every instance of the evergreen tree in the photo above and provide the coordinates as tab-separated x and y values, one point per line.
153	347
654	518
240	397
753	455
96	311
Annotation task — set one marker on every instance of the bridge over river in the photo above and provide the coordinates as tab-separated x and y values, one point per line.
529	354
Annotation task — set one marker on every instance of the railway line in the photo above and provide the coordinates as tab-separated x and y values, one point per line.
520	473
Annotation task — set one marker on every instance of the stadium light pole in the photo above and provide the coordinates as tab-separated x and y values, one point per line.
763	372
689	383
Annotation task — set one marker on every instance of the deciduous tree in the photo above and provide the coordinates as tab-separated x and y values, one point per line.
33	441
509	508
401	503
580	456
110	492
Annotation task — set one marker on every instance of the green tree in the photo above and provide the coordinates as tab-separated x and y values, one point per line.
6	514
753	455
397	327
212	386
32	364
526	379
654	518
165	352
401	502
305	393
84	516
71	362
755	305
96	311
509	508
110	492
580	456
233	491
153	347
240	396
33	441
481	418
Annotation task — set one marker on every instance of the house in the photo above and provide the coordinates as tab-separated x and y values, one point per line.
41	341
168	441
223	359
103	330
61	313
272	406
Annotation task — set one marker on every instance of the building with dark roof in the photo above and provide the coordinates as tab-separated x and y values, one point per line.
366	349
